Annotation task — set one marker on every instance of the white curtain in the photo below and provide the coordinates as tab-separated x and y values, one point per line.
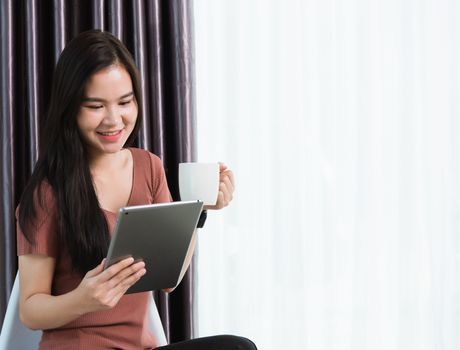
340	119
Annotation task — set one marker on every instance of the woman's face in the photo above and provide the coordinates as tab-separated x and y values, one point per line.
108	111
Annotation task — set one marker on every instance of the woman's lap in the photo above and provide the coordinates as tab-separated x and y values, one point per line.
218	342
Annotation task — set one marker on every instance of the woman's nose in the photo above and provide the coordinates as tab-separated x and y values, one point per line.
113	115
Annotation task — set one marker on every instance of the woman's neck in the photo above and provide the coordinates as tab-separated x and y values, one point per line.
106	162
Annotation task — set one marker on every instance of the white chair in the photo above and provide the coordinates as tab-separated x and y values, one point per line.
156	328
16	336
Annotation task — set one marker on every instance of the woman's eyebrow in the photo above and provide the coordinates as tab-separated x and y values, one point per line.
97	99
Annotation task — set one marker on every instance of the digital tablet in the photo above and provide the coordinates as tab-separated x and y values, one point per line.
158	234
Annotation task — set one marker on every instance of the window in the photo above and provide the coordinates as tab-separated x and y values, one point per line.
341	122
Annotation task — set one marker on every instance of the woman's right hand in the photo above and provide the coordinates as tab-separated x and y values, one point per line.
102	289
99	290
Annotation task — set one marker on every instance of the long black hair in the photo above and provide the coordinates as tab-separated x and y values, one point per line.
63	162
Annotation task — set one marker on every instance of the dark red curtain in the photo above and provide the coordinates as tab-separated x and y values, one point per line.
159	35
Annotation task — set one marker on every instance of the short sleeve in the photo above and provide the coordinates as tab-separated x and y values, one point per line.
161	192
43	231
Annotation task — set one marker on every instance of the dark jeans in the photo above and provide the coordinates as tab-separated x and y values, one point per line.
219	342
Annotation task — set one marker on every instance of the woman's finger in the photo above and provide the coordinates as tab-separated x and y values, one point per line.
224	190
220	200
228	184
97	270
108	273
125	273
122	286
230	175
222	167
133	278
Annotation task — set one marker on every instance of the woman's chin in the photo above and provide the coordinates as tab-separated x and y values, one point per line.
99	150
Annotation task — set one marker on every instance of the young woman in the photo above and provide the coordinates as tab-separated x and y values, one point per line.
84	174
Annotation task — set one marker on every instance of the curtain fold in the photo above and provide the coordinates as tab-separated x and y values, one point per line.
155	62
115	14
32	82
159	35
97	7
138	48
7	256
58	14
180	54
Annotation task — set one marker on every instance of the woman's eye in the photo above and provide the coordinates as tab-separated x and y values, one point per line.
123	103
94	106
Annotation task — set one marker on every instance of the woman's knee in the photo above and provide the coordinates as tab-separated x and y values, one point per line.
217	342
237	342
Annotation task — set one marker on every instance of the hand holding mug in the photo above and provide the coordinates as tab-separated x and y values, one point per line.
212	183
226	188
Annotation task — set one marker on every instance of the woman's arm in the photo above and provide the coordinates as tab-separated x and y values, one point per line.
99	290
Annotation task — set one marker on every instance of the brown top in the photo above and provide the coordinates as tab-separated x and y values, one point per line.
125	326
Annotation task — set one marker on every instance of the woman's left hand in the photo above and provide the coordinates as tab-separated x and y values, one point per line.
226	188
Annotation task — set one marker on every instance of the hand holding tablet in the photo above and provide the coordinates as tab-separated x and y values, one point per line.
158	234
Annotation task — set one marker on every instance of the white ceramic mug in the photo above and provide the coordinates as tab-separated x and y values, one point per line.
199	181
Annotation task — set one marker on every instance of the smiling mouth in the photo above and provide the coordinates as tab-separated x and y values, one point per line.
109	133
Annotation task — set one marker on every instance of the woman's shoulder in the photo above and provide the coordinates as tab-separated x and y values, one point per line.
40	225
42	199
43	196
142	156
45	189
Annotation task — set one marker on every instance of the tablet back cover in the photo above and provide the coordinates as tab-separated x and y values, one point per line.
158	234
